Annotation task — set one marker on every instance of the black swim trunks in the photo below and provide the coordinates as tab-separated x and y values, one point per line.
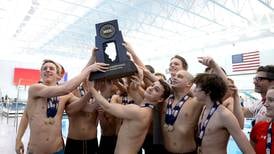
81	146
107	144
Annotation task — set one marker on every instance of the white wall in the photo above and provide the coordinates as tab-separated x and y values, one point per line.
7	72
222	56
159	61
6	77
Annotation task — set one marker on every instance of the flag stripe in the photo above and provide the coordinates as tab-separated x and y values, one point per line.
245	61
247	69
247	64
256	66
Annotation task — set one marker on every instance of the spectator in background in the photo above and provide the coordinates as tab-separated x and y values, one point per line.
262	81
262	134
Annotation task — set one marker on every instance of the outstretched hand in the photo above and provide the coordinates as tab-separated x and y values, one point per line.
135	83
207	61
233	89
103	67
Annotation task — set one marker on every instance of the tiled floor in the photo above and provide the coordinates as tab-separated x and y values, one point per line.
8	135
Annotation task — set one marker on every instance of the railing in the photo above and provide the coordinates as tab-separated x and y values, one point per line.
12	110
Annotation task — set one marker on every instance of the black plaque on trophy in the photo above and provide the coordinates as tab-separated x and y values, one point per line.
109	33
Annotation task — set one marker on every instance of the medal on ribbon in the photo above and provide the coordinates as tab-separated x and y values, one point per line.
203	125
269	139
172	113
51	120
52	109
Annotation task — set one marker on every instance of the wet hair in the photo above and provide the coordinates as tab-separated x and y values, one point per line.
229	79
167	89
160	74
184	63
269	70
150	68
211	84
207	69
53	62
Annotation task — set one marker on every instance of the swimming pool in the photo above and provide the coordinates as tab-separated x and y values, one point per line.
12	108
232	147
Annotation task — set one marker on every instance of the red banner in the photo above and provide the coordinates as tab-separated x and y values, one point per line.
23	76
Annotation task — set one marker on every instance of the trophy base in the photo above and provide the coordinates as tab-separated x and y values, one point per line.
115	71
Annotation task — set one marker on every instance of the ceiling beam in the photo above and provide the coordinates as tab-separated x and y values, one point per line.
266	5
196	14
229	10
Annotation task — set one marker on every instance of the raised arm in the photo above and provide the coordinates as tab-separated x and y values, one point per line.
209	62
77	103
135	90
40	90
237	109
147	75
92	58
149	78
120	111
136	59
247	112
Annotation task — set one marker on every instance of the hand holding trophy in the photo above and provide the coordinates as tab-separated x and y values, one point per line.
107	33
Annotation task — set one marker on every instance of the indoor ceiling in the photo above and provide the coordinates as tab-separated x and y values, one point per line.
155	27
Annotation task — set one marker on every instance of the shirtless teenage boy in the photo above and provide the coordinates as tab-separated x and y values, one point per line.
136	118
181	116
216	122
46	103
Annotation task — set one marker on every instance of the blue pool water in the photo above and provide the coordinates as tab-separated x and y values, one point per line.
65	125
232	147
12	106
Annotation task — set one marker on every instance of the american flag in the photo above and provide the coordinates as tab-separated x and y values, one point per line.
246	61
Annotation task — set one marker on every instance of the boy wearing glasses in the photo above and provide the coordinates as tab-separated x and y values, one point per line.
263	80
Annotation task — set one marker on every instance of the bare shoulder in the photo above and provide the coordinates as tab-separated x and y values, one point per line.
35	87
226	116
67	98
140	112
195	102
224	112
133	106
